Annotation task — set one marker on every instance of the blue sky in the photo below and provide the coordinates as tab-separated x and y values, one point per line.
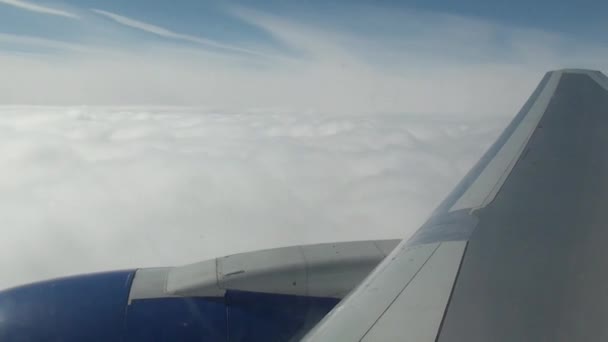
386	56
213	18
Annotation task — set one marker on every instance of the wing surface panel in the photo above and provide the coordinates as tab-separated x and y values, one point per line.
535	267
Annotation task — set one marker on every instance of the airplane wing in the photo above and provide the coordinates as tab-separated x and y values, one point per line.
517	252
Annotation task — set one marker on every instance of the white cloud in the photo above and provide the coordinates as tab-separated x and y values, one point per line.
87	189
166	33
28	6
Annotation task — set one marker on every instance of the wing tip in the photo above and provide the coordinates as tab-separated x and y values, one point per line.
575	71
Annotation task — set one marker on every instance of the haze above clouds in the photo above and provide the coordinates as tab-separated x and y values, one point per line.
391	62
135	144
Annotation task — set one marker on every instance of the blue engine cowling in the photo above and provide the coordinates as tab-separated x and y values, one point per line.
96	308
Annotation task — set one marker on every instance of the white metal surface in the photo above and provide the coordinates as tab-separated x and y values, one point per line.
281	270
333	270
149	283
486	186
386	246
353	317
198	279
416	313
324	270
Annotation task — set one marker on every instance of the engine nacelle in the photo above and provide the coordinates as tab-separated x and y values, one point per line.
272	295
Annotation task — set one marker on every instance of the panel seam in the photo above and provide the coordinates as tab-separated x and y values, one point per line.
400	292
447	305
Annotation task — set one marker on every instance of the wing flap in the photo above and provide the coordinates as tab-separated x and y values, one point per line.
369	301
418	310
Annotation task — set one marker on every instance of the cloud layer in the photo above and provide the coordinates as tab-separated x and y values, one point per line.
88	189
